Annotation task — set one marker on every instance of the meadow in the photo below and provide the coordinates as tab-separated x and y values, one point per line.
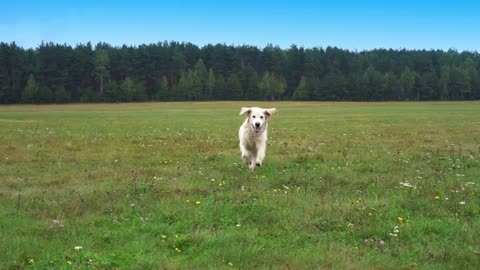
162	186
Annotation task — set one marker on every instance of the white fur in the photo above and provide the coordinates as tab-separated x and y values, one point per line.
253	135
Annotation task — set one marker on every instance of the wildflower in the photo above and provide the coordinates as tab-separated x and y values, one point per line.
407	184
437	197
400	219
462	203
381	243
69	262
56	222
61	225
78	248
359	200
132	205
187	201
365	241
370	214
142	219
177	249
163	236
198	202
31	261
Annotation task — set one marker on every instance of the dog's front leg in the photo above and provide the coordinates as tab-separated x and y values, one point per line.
262	148
251	166
245	155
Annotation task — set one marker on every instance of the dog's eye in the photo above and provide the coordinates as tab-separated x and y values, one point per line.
261	117
253	116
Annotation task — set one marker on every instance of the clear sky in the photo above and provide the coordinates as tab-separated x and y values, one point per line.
349	24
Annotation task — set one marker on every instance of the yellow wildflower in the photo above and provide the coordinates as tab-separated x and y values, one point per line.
198	202
69	262
31	261
437	197
400	219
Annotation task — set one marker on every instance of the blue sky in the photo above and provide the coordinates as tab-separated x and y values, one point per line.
349	24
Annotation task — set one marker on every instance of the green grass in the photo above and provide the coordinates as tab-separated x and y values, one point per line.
335	175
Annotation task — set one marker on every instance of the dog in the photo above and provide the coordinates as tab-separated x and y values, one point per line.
253	135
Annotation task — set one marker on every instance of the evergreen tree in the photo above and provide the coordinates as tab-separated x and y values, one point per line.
459	83
45	94
407	82
128	90
373	82
220	88
111	92
163	92
30	94
301	91
250	79
61	95
234	87
89	95
444	92
210	84
101	66
389	87
428	83
272	86
200	79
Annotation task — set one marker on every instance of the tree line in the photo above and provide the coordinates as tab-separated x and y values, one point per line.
177	71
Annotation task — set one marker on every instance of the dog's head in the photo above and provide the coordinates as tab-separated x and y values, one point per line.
257	117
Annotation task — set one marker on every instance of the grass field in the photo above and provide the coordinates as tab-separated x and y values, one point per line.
162	186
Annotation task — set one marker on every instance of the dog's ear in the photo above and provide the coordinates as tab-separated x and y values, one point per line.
245	110
270	112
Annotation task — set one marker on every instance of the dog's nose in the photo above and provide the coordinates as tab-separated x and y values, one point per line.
257	125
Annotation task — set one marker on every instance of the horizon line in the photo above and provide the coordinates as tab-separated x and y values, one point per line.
96	43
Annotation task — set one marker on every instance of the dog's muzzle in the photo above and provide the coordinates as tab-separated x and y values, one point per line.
257	127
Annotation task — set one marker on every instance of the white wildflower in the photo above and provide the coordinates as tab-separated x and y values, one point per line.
407	184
